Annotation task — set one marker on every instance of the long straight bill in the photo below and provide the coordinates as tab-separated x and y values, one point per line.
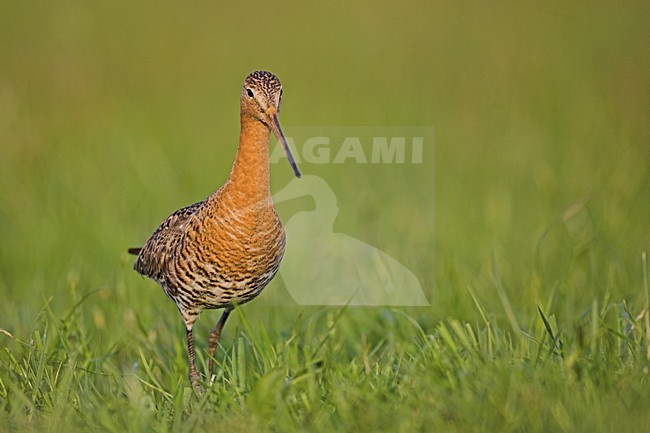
277	131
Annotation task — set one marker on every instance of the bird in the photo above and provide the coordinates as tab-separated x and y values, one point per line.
223	251
350	271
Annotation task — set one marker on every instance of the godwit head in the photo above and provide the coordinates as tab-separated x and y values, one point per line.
260	100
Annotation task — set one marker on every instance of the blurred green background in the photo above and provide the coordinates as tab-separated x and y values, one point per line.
114	114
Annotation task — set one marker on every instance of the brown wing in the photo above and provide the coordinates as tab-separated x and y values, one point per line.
159	248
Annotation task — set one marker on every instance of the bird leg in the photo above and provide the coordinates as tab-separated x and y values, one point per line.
194	374
213	340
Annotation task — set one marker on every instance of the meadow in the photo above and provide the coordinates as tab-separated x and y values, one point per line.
526	219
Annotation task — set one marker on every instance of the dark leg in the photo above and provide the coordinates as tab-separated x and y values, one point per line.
213	340
194	374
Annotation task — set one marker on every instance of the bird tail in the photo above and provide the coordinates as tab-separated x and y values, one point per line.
135	251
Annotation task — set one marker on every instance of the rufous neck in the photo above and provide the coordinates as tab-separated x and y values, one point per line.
249	177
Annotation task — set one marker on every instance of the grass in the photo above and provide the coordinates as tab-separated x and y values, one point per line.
526	222
339	370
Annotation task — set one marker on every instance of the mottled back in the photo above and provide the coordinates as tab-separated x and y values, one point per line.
154	256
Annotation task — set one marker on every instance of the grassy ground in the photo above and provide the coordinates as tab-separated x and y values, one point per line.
526	223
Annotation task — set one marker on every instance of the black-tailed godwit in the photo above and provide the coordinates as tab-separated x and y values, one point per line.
224	250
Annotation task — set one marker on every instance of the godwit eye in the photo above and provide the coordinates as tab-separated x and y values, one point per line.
250	93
